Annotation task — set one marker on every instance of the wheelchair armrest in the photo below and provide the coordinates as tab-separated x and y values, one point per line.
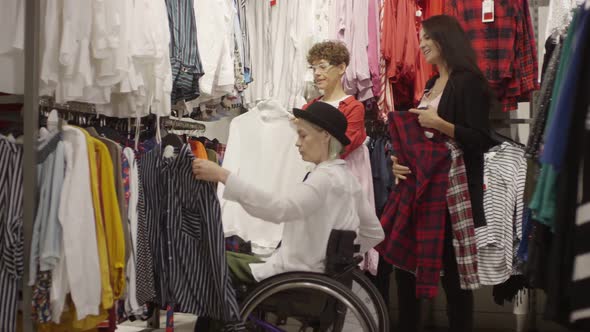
356	260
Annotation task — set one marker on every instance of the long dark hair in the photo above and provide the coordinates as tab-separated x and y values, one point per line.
455	47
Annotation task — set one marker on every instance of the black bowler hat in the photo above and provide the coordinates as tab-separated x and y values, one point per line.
326	117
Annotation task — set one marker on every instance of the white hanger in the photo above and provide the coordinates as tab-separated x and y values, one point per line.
53	120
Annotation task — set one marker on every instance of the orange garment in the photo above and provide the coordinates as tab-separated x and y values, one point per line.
400	48
198	150
434	7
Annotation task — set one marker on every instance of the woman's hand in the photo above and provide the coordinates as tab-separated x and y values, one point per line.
428	118
399	171
209	171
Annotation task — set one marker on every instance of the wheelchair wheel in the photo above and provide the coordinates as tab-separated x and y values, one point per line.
365	290
253	306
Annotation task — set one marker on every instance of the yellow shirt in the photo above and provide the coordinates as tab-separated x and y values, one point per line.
94	161
113	225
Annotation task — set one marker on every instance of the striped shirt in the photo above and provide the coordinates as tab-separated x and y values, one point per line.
184	52
186	237
581	273
11	232
504	181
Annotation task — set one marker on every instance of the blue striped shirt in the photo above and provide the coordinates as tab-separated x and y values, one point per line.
11	231
184	51
186	236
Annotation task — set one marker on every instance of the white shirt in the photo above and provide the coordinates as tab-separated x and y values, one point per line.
331	198
215	36
280	36
261	149
131	304
76	215
12	43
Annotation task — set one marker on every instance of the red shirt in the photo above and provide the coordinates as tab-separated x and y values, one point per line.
354	111
414	217
506	49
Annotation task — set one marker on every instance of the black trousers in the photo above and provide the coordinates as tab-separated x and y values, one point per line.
459	302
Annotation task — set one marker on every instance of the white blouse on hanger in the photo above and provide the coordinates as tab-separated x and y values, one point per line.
76	215
215	37
261	149
12	44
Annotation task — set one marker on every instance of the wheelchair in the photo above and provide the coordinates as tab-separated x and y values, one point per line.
299	301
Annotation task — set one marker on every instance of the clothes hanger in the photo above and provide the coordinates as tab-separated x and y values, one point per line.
498	139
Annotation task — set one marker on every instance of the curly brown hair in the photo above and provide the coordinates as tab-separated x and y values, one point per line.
334	52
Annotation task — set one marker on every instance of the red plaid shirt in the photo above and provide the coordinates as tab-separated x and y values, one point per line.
506	49
459	204
414	217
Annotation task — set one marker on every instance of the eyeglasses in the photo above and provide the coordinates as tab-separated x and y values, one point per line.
320	68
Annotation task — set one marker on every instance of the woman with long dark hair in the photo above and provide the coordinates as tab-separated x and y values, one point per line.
456	103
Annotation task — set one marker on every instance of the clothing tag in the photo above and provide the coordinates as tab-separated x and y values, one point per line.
487	11
273	3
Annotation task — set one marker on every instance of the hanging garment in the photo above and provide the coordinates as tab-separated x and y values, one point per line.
505	174
131	180
461	219
400	49
543	104
12	45
146	279
95	166
81	276
560	14
374	46
351	28
414	217
186	235
581	274
544	199
382	176
215	30
279	64
47	233
11	225
261	149
184	51
506	48
385	102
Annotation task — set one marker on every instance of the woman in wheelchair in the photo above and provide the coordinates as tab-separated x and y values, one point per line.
329	198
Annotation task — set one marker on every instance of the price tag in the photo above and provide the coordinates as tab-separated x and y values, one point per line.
487	11
273	3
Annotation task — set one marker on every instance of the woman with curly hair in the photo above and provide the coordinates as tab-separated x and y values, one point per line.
328	60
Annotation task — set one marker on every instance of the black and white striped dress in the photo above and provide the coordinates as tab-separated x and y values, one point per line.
11	232
186	237
504	180
581	273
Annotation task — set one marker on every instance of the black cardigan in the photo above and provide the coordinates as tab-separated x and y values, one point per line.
466	103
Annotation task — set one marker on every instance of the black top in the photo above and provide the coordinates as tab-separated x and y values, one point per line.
466	103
